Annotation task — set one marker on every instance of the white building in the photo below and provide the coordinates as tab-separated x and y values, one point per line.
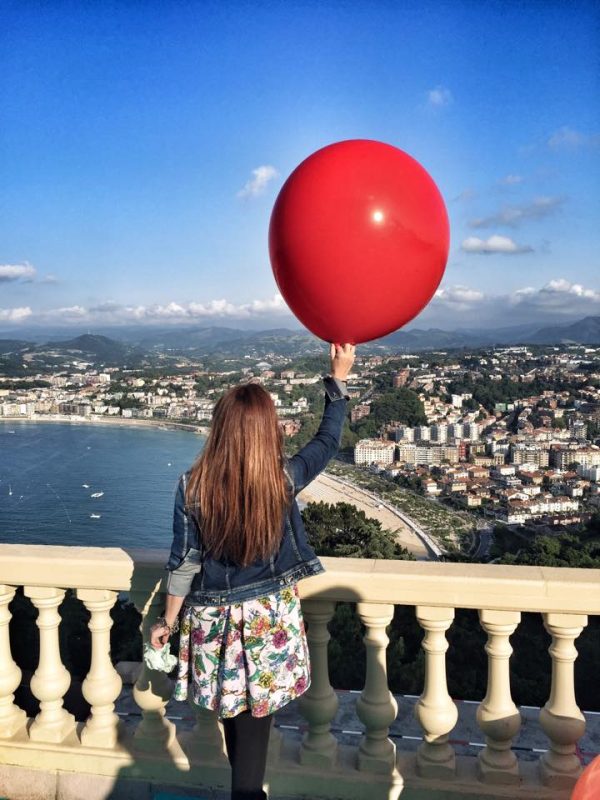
471	431
439	432
589	473
585	456
370	451
404	434
423	434
456	430
523	453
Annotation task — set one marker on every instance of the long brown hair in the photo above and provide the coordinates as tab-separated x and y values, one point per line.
237	489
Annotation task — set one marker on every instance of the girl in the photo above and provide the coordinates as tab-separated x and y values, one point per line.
239	548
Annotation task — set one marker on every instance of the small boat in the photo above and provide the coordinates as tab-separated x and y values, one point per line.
96	494
169	464
9	490
95	516
85	485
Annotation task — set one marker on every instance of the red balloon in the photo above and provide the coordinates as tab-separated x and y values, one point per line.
588	785
358	240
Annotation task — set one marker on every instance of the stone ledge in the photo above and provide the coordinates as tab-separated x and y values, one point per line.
102	777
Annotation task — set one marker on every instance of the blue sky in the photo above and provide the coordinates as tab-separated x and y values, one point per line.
142	145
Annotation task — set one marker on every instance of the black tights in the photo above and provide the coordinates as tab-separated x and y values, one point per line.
247	741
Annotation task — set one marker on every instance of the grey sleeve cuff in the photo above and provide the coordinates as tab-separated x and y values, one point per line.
179	581
335	388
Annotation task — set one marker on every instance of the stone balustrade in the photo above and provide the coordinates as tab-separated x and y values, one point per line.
69	755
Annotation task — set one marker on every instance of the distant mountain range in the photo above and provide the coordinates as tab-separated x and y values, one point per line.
584	331
93	348
133	346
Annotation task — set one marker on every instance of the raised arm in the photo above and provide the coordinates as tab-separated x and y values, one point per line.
314	457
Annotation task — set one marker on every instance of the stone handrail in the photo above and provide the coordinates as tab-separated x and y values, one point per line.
565	597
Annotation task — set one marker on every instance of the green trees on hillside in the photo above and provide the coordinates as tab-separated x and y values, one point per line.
565	550
401	405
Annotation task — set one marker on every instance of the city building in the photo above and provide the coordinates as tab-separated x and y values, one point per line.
374	451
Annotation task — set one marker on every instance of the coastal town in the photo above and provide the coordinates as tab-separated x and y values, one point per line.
508	435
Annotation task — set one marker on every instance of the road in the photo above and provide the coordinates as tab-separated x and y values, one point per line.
486	537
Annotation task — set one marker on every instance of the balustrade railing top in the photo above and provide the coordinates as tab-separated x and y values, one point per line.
478	586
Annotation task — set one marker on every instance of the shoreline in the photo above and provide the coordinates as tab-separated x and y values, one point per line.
73	419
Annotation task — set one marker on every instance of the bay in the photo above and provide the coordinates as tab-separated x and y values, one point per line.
49	472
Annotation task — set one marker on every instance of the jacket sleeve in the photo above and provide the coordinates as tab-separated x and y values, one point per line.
180	528
184	558
314	457
179	581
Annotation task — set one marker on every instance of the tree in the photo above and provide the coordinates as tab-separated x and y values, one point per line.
344	531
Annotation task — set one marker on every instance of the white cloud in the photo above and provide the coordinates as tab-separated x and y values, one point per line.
513	216
495	244
567	138
15	314
275	304
439	97
458	296
261	176
16	272
511	180
111	312
559	301
68	312
558	295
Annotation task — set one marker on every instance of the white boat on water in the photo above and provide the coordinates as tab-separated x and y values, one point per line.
9	490
85	485
96	494
95	516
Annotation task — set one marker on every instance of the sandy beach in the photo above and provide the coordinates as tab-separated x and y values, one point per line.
73	419
326	490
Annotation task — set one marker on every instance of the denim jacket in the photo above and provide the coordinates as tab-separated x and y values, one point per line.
204	580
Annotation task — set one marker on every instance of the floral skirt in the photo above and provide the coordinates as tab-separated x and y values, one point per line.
251	655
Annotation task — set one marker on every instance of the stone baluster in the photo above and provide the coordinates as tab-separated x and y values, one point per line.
153	689
319	704
12	718
51	679
435	710
497	715
376	707
561	718
102	684
208	735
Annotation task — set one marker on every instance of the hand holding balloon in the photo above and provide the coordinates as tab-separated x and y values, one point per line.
342	359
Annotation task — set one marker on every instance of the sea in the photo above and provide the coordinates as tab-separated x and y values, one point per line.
100	485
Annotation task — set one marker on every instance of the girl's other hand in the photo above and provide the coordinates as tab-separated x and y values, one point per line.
159	636
342	359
